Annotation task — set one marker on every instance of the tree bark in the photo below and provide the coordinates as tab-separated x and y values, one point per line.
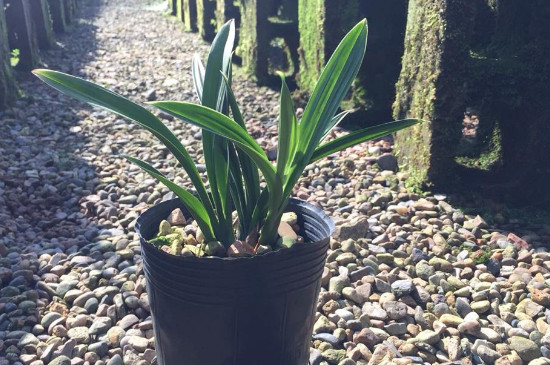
21	33
43	22
432	87
226	10
8	90
57	11
190	15
206	13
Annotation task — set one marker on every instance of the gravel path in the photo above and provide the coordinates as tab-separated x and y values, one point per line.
407	280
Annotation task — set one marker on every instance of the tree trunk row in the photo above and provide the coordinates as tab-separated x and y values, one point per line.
444	61
25	27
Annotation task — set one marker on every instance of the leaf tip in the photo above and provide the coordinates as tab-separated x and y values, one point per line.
38	71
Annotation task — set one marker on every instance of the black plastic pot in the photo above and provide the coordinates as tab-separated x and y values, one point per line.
235	311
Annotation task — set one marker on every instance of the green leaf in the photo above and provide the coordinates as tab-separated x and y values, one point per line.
360	136
215	148
194	205
288	131
96	95
334	82
334	122
222	125
219	59
249	171
197	71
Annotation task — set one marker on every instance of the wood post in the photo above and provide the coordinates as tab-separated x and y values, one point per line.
8	91
179	10
172	6
40	11
206	13
69	11
432	87
255	36
57	11
510	86
190	15
226	10
21	33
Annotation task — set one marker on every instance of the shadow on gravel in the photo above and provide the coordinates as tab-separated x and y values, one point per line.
43	177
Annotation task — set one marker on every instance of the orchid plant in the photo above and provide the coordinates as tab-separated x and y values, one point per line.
235	162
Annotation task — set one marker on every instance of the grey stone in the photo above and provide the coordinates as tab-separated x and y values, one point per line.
327	337
79	334
60	360
115	360
401	288
526	349
387	161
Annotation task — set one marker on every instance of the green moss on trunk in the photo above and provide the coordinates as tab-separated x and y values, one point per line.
510	84
57	11
179	13
311	20
173	6
69	11
226	10
190	15
43	22
432	87
206	11
8	91
322	24
21	33
254	37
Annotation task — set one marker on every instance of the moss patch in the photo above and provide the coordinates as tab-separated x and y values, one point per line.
436	40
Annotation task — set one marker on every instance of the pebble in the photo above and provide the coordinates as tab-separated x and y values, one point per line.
400	266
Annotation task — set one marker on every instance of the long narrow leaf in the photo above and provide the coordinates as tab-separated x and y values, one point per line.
334	82
223	126
215	148
218	60
249	171
93	94
334	122
197	71
288	130
194	205
359	136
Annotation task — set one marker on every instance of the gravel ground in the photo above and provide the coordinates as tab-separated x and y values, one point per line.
408	279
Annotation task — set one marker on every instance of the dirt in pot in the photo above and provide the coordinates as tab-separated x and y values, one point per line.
182	237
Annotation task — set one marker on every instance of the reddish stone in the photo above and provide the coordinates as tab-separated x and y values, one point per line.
240	249
517	241
366	337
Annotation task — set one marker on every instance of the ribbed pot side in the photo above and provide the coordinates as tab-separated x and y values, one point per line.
235	311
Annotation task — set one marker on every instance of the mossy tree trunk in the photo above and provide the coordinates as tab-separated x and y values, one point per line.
226	10
254	37
511	87
43	22
173	6
57	11
311	22
190	15
69	11
432	86
323	23
179	10
374	90
21	33
8	90
206	19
